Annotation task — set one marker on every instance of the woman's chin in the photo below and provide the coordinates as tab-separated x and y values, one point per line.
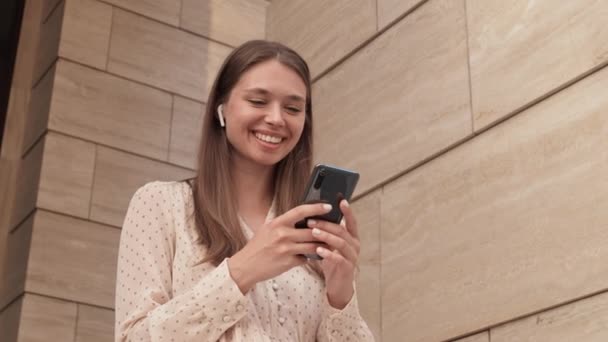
268	161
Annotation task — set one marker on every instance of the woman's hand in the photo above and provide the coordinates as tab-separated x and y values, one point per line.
340	260
275	247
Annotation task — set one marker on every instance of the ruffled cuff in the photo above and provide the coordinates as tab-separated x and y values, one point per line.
347	323
220	298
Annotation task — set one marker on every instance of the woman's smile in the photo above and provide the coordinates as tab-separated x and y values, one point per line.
268	142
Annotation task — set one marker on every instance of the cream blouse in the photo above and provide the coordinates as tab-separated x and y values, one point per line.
164	293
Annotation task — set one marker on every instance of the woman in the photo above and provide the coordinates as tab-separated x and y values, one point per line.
217	257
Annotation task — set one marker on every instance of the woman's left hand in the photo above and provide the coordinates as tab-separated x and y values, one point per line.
340	258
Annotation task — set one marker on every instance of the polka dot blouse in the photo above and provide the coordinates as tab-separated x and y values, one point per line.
164	293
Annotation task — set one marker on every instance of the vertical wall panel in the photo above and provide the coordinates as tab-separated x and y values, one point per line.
163	56
378	112
37	115
15	261
93	105
367	213
85	35
507	224
229	21
118	175
66	178
585	320
46	319
48	42
10	318
323	32
47	7
94	324
522	50
389	10
27	184
167	11
481	337
186	129
73	259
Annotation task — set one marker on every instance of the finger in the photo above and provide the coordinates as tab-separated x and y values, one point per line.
349	219
336	243
301	212
305	248
295	235
334	258
332	228
338	230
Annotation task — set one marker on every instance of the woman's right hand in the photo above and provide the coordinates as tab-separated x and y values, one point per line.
276	247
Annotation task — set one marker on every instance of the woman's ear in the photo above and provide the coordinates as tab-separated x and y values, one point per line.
220	115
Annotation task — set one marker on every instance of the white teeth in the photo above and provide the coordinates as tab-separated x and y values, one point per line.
268	138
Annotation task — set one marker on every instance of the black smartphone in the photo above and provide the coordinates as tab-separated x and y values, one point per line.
328	184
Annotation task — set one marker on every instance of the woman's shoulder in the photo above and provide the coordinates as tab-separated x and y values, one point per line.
167	197
161	200
163	190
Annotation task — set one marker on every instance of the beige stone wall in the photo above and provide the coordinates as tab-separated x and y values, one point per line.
480	129
107	95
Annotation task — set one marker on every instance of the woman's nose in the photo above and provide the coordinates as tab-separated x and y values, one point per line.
274	116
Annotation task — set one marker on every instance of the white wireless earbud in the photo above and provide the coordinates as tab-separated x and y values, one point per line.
220	114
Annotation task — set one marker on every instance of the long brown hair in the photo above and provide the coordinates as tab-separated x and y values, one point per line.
215	205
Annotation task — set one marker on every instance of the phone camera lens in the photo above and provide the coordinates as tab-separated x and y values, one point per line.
319	179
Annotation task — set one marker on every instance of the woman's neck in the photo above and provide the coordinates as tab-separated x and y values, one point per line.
254	186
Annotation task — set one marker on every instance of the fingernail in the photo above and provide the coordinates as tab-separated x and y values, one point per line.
316	231
321	251
312	222
346	204
327	207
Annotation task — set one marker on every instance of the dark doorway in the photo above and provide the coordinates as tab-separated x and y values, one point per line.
11	12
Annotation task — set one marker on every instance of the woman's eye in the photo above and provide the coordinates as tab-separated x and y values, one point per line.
294	109
257	102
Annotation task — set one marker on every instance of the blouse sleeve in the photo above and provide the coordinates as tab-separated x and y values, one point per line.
343	325
146	309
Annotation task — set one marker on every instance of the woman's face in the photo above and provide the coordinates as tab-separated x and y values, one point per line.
265	113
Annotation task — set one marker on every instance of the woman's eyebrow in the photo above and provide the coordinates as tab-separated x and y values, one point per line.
296	98
262	91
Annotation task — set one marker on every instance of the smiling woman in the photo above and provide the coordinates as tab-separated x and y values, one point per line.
264	113
216	257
